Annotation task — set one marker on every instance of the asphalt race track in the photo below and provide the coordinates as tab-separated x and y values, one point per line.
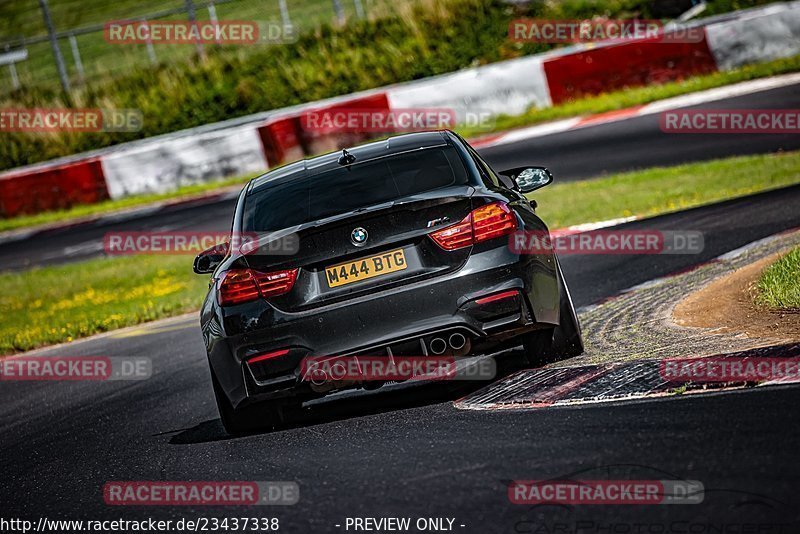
408	452
639	143
577	154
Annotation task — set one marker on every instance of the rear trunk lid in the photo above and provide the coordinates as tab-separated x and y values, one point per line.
368	219
336	265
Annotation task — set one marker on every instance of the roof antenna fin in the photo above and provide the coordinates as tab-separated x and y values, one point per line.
346	158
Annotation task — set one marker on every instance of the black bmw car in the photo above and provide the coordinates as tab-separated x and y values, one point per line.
398	247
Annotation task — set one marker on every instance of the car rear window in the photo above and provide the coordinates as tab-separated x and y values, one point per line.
297	199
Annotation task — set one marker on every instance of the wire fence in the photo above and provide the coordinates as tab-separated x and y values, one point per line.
28	58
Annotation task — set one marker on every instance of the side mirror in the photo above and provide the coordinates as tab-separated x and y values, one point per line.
210	258
529	178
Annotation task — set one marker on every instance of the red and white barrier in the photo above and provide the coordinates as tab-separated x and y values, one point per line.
52	187
187	160
625	64
251	144
509	87
755	36
286	138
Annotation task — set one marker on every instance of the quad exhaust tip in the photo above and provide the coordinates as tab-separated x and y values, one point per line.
438	345
457	341
318	380
318	377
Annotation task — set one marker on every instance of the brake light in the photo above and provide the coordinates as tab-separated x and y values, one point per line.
244	285
484	223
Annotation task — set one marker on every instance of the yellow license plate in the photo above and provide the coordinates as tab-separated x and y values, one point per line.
355	271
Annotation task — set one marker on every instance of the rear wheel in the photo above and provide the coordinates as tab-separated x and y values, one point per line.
538	347
253	418
561	342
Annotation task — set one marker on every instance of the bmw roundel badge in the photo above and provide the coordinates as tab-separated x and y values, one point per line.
359	236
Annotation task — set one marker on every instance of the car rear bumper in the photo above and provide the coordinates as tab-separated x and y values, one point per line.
450	302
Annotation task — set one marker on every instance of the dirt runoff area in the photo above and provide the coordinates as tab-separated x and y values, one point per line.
727	306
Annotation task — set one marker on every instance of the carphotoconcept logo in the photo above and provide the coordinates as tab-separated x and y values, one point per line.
70	120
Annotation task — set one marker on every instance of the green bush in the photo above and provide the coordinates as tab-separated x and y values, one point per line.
417	40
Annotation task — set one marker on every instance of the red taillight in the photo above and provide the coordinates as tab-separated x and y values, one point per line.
498	296
237	286
492	220
487	222
277	283
455	236
268	356
243	285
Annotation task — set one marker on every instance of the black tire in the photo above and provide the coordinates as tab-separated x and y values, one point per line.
561	342
567	337
254	418
538	347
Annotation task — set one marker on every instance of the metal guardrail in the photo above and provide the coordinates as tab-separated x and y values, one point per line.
94	28
84	67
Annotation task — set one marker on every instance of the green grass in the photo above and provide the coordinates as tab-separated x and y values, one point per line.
602	103
55	304
663	190
638	96
420	39
399	41
779	284
111	206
